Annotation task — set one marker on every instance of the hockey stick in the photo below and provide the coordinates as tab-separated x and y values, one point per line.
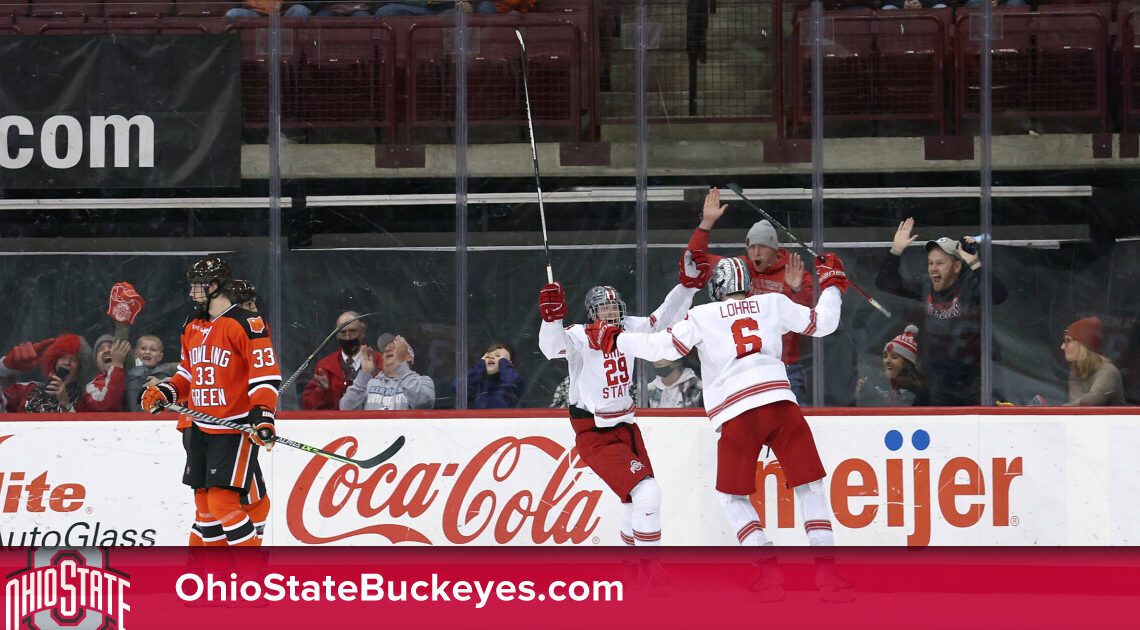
305	364
372	462
534	157
740	193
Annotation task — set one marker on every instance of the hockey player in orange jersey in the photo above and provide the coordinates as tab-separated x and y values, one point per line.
228	370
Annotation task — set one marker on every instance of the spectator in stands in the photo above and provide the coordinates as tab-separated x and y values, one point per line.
900	384
773	270
394	385
147	370
675	386
561	397
336	370
1008	4
348	9
951	295
493	382
889	5
261	8
20	358
107	391
1093	379
62	363
433	7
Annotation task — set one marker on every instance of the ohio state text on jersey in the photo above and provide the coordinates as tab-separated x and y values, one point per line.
599	382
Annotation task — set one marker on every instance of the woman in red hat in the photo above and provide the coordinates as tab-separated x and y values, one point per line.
1093	379
61	363
901	384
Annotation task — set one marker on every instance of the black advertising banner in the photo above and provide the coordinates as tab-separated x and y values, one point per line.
120	111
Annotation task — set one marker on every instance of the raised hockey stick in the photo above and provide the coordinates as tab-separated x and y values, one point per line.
534	157
740	193
305	364
371	462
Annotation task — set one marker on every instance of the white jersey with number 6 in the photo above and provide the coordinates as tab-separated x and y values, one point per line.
739	344
599	383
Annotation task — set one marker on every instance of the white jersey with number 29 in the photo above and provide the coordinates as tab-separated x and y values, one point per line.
739	344
599	382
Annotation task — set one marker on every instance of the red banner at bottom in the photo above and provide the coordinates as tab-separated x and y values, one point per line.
509	587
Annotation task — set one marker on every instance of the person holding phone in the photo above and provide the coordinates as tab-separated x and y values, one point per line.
61	364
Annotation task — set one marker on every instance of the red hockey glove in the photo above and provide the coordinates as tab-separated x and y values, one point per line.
552	302
125	303
262	422
830	271
695	269
603	335
156	397
26	355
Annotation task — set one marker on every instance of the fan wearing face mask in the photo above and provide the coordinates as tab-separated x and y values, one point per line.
335	372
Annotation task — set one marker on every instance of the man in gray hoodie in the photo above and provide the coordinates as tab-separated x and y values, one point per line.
394	385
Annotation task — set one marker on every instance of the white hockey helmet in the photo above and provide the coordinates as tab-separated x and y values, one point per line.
599	298
729	276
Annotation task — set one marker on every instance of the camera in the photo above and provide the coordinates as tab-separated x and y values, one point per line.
62	373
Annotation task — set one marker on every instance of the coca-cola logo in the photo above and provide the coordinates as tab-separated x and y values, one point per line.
496	495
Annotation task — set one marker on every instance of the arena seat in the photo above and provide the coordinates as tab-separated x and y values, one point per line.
346	76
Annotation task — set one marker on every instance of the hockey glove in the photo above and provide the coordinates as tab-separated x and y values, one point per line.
156	397
552	302
603	335
695	269
25	355
125	303
262	422
830	271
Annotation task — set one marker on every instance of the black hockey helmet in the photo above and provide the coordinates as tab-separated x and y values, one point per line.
207	270
212	270
241	291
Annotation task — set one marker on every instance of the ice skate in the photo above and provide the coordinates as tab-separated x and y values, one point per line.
768	581
833	586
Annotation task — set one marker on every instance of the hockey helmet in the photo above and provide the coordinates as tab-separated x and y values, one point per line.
207	270
604	302
241	291
729	276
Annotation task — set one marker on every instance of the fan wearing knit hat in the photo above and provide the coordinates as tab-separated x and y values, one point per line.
1093	379
60	360
901	382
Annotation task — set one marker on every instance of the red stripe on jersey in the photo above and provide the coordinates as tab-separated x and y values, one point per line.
627	539
653	322
604	415
811	324
758	388
647	536
817	525
682	348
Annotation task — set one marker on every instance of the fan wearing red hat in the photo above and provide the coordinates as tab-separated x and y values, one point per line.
1093	379
59	359
901	383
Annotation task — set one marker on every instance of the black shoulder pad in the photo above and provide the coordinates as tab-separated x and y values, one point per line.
250	322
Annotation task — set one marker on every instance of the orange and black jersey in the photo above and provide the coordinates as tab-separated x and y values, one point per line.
228	366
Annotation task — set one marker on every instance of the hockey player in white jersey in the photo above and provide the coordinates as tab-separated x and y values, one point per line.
601	408
748	398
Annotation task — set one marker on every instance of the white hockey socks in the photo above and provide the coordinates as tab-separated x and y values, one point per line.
743	519
817	515
627	524
646	507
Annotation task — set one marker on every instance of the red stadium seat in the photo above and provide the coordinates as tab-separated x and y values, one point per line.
65	9
255	70
203	9
116	9
344	76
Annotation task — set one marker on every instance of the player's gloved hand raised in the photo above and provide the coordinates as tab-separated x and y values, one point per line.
603	335
264	433
156	397
695	269
552	302
830	271
25	355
